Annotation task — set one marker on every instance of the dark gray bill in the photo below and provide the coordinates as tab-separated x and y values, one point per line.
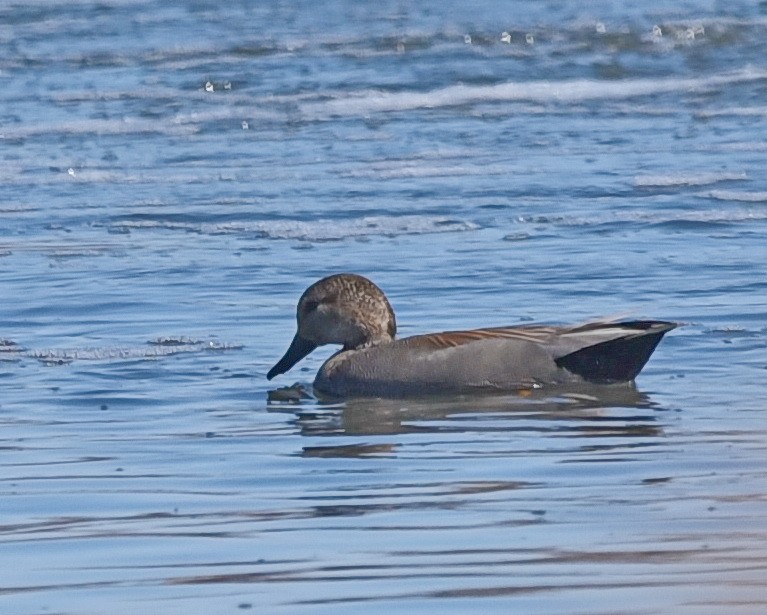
298	349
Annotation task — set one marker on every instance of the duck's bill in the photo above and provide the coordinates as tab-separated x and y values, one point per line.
298	349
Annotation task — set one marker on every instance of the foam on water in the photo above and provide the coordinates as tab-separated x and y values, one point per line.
316	230
738	195
687	179
155	349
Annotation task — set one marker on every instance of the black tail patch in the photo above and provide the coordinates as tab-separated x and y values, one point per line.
618	360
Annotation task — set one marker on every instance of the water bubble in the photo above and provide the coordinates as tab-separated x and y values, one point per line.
505	37
529	38
467	39
401	47
227	86
208	86
657	32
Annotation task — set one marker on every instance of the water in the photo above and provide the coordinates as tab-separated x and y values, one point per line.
174	175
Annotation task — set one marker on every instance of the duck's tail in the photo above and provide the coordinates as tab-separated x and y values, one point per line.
620	358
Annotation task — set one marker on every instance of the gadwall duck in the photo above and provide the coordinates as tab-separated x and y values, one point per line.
350	310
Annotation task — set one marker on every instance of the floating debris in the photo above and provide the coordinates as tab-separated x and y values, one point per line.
174	341
517	237
192	345
9	346
54	361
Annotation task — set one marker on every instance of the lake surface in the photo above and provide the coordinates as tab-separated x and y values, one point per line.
174	175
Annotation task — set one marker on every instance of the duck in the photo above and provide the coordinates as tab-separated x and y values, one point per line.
349	310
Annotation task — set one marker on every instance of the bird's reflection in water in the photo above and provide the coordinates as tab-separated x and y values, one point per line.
586	412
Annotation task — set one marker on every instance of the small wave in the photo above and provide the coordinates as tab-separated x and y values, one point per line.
697	218
711	217
272	110
686	179
734	332
566	91
736	195
317	230
757	112
419	170
125	126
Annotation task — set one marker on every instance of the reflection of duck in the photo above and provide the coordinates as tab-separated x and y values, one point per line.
588	411
350	310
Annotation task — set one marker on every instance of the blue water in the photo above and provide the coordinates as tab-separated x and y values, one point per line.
175	174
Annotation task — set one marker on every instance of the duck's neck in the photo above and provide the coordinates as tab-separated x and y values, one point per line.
369	343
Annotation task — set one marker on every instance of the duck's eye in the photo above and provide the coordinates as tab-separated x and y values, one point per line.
310	306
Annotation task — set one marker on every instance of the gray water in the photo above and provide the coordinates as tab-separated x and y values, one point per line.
175	174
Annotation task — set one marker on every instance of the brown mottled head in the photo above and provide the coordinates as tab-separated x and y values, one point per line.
345	309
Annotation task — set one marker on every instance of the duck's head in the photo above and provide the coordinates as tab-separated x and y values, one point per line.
345	309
